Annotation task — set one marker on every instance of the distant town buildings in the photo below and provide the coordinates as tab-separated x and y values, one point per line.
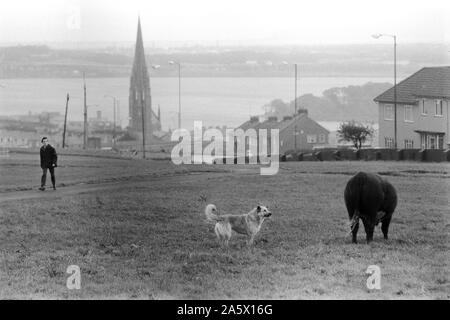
26	131
297	132
422	111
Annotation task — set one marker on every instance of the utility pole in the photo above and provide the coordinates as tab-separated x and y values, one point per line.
65	123
114	125
395	92
119	119
295	115
179	96
143	124
295	99
85	115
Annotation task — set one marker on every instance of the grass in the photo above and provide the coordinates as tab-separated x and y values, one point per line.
148	239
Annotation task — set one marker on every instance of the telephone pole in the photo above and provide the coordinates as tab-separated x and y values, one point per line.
143	124
295	115
85	115
65	123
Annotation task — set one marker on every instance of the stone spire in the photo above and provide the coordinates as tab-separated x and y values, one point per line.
139	65
140	95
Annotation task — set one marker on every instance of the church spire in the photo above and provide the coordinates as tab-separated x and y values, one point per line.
139	54
140	99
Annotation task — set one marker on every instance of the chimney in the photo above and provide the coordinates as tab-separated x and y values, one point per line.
254	119
286	118
302	111
273	119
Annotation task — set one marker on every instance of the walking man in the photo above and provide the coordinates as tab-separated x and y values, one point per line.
48	161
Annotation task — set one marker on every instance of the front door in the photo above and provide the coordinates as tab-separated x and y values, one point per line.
432	140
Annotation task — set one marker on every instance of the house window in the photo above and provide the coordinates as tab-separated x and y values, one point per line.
408	114
388	112
424	108
321	138
423	141
311	138
409	144
389	142
438	108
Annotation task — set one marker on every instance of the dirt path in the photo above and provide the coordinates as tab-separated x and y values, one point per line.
60	192
88	187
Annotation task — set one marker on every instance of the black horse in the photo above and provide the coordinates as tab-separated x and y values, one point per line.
371	198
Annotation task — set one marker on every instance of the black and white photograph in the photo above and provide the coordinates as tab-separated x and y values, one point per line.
231	150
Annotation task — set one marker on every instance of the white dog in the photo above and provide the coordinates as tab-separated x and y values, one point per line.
248	224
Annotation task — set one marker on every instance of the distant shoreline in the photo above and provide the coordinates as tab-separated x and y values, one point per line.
220	76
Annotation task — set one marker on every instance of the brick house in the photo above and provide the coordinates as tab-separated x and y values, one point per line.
422	111
300	132
309	134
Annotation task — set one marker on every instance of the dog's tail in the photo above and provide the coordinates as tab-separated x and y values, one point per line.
211	213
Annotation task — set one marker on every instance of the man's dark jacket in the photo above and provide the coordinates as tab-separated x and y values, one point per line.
48	157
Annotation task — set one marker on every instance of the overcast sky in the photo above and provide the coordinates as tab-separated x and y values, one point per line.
205	21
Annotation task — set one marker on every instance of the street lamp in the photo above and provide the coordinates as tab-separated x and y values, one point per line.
114	125
377	36
86	123
179	91
295	102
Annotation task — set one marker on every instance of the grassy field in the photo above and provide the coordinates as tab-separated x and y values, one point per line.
140	232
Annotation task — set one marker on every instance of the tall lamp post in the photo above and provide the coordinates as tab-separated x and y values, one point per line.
86	123
295	102
114	112
377	36
179	91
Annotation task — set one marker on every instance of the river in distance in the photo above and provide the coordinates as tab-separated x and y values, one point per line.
214	101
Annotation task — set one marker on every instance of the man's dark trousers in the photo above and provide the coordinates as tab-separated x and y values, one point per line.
44	176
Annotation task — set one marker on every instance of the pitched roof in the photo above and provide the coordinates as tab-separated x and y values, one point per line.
281	125
252	123
268	124
431	82
286	123
300	118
